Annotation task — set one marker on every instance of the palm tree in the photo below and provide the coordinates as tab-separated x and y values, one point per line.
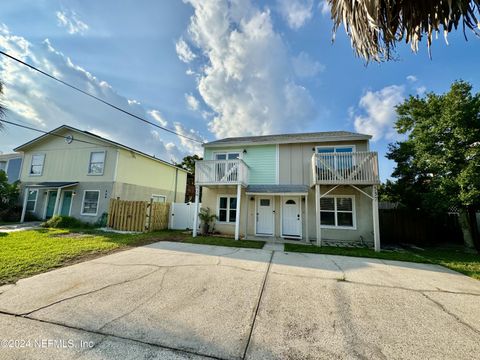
376	26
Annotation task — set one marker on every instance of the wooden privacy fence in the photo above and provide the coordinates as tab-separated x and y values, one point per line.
140	216
418	228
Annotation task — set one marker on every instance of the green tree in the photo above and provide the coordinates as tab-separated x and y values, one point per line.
8	192
188	163
438	166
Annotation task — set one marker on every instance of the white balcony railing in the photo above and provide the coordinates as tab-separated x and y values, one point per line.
218	172
345	168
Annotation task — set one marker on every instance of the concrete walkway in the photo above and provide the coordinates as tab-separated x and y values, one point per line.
19	227
185	301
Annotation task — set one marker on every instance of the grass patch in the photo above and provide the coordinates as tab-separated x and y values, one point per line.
453	258
219	241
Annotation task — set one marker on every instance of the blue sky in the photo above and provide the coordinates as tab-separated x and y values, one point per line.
209	69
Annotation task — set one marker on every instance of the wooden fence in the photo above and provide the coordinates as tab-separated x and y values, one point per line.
137	215
418	228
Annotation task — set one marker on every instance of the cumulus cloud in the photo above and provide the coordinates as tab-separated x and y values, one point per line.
246	75
376	112
421	90
35	100
191	146
192	102
69	20
412	78
305	66
183	51
324	7
296	12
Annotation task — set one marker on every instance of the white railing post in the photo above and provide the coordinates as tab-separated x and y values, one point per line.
237	215
195	218
24	208
376	223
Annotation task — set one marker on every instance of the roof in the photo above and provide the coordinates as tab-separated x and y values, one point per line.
277	189
92	135
53	184
290	138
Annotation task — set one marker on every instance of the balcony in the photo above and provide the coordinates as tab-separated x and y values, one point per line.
221	172
357	168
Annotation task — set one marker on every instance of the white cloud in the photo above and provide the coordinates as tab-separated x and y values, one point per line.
191	146
376	112
192	102
412	78
184	52
324	7
246	76
36	100
305	66
296	12
69	20
421	90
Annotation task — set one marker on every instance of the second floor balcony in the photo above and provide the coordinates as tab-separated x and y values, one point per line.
221	172
355	168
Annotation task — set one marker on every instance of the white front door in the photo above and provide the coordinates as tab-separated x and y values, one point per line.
291	217
265	215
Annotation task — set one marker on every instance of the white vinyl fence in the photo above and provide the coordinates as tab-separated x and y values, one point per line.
182	215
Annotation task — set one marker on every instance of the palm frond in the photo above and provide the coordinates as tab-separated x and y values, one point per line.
376	26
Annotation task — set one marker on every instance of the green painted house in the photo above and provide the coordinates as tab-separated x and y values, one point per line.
75	173
319	187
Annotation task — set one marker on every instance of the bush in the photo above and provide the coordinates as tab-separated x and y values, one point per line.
11	214
63	222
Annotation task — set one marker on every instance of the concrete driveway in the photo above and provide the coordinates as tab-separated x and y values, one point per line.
184	301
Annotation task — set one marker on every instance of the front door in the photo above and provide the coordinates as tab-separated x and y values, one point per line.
66	202
265	216
291	217
52	196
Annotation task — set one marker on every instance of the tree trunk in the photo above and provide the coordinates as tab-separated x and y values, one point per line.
468	224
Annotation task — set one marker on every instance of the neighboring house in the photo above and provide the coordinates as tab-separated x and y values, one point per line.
314	186
75	173
12	165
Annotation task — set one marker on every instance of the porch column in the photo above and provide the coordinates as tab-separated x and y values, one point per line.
246	217
237	217
24	208
317	215
376	223
57	202
195	217
307	237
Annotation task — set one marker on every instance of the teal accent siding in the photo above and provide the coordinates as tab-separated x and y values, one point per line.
261	161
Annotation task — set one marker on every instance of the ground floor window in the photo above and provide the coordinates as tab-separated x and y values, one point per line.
337	211
32	200
227	208
90	202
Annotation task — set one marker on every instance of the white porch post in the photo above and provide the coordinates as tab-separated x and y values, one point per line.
376	223
195	217
246	217
307	236
317	215
24	208
57	202
237	217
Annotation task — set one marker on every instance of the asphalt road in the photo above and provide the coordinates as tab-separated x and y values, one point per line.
184	301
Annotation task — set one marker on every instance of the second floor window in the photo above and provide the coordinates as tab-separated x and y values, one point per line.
36	168
97	163
339	162
226	171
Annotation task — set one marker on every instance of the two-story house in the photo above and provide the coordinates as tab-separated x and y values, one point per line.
313	186
12	164
75	173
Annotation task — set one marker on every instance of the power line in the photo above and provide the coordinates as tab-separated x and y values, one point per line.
47	132
99	99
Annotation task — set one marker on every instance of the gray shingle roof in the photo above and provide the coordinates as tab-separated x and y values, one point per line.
290	138
277	189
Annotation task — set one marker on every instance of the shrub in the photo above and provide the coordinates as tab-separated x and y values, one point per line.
12	214
63	222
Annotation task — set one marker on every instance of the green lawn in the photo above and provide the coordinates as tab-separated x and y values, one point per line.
25	253
452	258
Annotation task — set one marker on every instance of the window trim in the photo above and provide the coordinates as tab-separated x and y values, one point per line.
90	162
83	203
159	195
36	200
335	147
335	211
228	196
234	151
31	164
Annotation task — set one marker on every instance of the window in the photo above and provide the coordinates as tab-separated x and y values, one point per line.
13	169
226	171
90	202
36	168
227	208
159	198
336	162
337	211
97	163
264	202
31	200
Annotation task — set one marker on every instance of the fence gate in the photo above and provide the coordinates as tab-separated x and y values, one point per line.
138	215
182	215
